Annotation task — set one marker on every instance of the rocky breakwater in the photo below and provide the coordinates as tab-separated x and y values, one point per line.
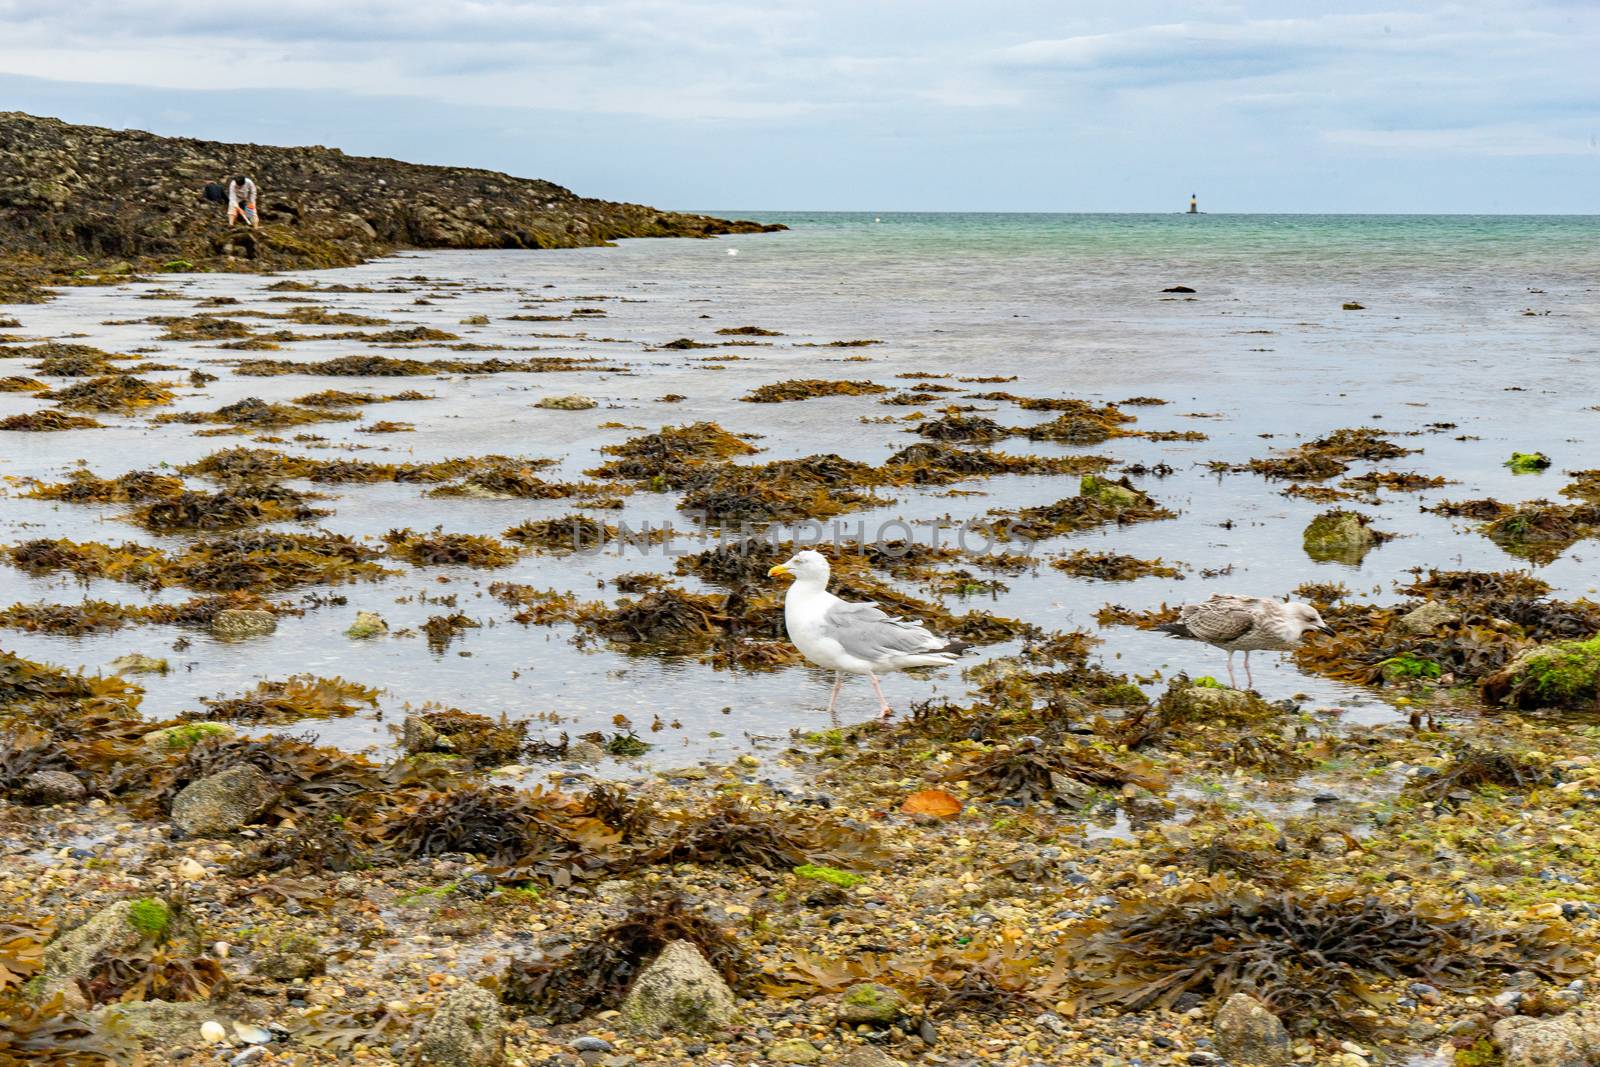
129	200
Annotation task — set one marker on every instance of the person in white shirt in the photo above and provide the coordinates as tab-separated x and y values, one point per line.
242	201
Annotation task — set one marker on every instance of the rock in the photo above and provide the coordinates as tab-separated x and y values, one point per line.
138	663
51	787
367	624
1339	536
1570	1040
291	966
567	403
585	752
161	1024
1562	674
1429	618
236	624
416	736
223	802
680	992
118	928
467	1030
1218	700
793	1050
871	1004
1070	792
590	1043
867	1056
174	738
1249	1035
1119	494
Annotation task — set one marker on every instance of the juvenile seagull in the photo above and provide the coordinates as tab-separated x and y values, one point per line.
853	638
1246	624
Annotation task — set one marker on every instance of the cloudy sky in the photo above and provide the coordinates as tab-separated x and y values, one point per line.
1093	105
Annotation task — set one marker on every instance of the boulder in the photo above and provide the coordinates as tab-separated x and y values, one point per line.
467	1030
1339	536
367	624
1119	493
236	624
680	992
175	738
1249	1035
871	1004
1428	618
223	802
416	736
51	787
1570	1040
1562	674
138	663
566	403
120	927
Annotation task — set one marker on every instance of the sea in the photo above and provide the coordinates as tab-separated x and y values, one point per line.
1466	337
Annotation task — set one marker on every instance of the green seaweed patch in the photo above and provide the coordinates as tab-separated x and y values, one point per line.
1560	674
1527	462
150	916
830	875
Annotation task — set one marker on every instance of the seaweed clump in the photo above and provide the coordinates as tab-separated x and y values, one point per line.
808	388
1308	957
1111	567
253	413
933	463
482	741
785	490
437	549
1540	531
1099	502
1472	768
595	976
47	421
302	696
669	458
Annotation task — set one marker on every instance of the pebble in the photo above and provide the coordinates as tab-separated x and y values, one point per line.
591	1044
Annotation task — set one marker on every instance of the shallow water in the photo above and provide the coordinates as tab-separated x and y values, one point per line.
1070	304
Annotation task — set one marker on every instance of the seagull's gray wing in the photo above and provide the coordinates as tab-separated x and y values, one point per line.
1222	618
867	632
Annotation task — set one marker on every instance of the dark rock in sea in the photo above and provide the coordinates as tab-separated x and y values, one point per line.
1178	289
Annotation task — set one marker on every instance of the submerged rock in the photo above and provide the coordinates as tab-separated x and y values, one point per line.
467	1030
679	991
138	663
367	624
567	403
235	624
1250	1035
1340	536
223	802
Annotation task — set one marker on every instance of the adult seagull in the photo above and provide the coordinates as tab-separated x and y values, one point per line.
1246	624
853	638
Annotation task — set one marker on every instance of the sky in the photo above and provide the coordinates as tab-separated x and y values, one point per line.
956	105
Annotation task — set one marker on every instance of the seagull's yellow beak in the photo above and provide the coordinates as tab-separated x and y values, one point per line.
782	568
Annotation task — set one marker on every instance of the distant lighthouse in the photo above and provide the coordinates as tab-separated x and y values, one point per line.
1194	204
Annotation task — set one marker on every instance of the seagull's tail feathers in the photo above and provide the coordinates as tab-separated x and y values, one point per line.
1176	629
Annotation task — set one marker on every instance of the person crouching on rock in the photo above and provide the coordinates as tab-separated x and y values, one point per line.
242	201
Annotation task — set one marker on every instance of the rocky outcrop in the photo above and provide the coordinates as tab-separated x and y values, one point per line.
467	1030
223	802
236	624
1248	1034
1340	536
52	787
130	199
678	992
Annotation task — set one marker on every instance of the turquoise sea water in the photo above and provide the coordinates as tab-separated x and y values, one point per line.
1477	336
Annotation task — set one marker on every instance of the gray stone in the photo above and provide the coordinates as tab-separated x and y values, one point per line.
871	1004
161	1024
235	624
566	403
1070	792
367	624
223	802
467	1030
1250	1035
417	736
1339	536
52	787
680	992
139	663
867	1056
793	1050
1428	618
585	752
1570	1040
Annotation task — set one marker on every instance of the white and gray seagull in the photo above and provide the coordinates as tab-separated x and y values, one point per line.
851	638
1247	624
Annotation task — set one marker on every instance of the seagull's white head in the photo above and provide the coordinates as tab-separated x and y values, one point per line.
1307	619
809	566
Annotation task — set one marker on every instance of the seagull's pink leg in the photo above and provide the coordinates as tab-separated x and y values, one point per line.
884	707
1231	683
838	681
1249	681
